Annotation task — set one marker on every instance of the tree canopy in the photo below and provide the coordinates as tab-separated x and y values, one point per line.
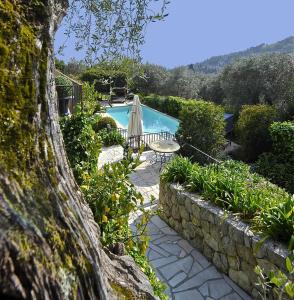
107	29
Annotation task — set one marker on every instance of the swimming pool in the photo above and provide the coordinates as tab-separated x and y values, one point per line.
153	120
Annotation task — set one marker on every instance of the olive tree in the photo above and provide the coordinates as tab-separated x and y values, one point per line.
50	247
267	79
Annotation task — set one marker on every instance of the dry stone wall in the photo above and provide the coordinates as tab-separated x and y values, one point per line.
222	238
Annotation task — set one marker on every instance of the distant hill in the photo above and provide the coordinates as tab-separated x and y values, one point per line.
216	63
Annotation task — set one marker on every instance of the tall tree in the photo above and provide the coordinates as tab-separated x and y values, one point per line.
49	245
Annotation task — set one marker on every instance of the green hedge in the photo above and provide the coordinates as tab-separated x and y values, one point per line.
233	186
167	104
252	130
282	134
278	165
202	125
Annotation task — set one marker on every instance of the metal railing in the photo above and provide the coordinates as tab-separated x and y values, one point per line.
198	155
145	139
194	153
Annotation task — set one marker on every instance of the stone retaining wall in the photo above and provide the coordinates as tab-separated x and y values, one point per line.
223	239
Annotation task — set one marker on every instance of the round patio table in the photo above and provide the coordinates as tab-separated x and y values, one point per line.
164	149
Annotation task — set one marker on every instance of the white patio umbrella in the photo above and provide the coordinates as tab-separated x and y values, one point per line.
135	127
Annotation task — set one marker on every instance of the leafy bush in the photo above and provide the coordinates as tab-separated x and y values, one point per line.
202	125
233	186
177	170
253	129
90	98
278	220
282	134
81	143
278	165
103	123
63	87
111	137
112	198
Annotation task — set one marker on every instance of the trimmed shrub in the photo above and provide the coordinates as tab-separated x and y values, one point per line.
233	186
282	134
103	123
202	125
278	165
252	130
110	138
170	105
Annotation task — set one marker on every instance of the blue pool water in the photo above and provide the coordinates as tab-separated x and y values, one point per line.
153	120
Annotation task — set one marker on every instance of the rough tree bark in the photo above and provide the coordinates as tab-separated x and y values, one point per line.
49	241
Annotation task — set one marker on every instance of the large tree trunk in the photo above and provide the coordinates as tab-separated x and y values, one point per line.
49	241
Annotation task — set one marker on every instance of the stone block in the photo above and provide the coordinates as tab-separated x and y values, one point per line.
195	211
227	246
184	213
224	261
181	199
277	254
210	216
234	262
248	234
205	227
173	200
195	221
236	231
217	261
245	253
178	227
212	242
187	234
198	231
207	251
198	244
188	204
215	232
241	279
184	223
175	213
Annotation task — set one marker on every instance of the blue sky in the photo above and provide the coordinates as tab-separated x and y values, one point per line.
198	29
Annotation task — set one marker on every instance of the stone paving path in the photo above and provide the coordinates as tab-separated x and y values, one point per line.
110	154
186	272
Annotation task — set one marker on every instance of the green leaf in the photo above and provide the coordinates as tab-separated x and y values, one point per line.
289	288
289	265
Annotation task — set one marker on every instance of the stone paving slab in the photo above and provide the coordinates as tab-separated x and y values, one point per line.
187	274
110	155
